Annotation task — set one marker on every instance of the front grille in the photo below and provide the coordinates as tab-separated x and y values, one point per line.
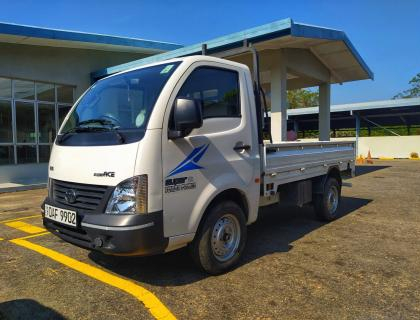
89	197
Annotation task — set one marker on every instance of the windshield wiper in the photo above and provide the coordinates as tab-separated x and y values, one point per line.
100	121
77	129
66	134
104	122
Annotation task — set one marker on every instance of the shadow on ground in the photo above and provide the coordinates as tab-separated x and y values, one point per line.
273	232
361	170
27	309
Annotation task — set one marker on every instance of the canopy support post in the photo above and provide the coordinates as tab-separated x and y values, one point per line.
324	125
279	98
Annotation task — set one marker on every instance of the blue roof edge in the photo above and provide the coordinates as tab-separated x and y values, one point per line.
66	35
309	31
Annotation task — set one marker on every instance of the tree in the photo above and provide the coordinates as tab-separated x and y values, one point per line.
302	98
412	92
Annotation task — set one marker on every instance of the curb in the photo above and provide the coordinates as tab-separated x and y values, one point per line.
23	188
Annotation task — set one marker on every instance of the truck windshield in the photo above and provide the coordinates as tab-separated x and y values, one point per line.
121	104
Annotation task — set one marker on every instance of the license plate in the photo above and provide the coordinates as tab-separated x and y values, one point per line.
64	216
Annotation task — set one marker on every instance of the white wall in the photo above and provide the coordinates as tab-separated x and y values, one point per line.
385	147
389	147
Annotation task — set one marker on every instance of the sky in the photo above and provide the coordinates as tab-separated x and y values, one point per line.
386	33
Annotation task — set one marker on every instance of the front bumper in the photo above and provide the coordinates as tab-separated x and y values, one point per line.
132	234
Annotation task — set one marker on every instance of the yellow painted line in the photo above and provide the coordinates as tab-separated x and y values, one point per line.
34	235
31	236
25	227
23	218
150	301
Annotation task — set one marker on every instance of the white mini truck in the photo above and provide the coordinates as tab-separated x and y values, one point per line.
173	154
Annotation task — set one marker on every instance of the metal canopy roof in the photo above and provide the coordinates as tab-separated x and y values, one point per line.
401	112
331	47
30	35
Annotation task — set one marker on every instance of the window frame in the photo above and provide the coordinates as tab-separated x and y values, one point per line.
220	69
12	115
14	143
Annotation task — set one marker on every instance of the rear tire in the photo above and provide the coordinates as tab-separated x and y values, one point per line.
326	204
220	240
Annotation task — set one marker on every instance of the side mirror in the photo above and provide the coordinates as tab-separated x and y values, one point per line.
187	115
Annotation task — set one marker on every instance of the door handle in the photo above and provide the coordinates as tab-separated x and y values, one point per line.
242	147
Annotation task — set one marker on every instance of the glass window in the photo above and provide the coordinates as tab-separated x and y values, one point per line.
64	94
25	121
6	133
32	139
124	101
44	153
46	122
5	88
62	112
218	90
7	155
26	154
24	90
45	92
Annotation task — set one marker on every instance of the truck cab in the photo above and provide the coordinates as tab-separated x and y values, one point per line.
171	154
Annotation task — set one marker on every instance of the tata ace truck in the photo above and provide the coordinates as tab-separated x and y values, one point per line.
176	154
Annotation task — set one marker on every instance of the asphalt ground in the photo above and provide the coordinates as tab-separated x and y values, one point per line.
365	265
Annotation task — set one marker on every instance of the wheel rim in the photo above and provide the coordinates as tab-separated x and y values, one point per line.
333	199
225	237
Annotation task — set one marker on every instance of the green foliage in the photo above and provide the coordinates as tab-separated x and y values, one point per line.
412	92
302	98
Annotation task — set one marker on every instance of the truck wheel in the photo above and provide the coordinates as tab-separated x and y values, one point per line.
326	204
221	239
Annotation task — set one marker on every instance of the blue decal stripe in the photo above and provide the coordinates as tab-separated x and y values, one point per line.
200	153
188	158
190	162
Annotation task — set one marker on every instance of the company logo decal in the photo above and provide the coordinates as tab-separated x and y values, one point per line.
179	184
70	196
191	161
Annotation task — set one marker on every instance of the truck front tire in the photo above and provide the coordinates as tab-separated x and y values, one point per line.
220	240
326	204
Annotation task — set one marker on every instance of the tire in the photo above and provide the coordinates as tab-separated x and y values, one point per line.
221	238
326	204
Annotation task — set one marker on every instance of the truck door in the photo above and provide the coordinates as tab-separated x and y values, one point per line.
222	154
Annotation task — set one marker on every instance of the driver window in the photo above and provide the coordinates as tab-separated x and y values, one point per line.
218	90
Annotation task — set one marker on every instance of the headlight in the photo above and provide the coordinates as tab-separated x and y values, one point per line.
129	197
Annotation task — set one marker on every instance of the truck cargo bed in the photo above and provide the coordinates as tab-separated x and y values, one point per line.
293	161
